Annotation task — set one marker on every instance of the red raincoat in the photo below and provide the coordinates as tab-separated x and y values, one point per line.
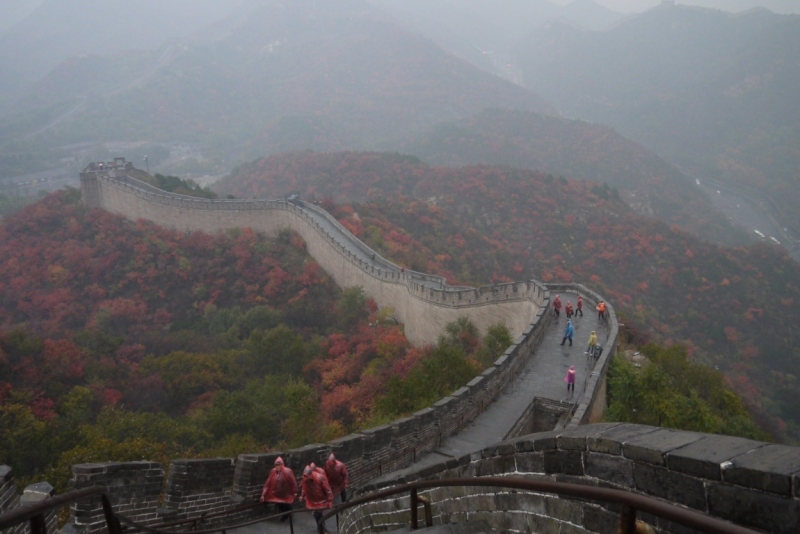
316	490
337	475
281	485
557	303
580	302
568	309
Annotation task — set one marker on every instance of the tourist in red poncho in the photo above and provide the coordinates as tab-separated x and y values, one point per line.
337	475
568	309
316	492
579	308
280	488
557	306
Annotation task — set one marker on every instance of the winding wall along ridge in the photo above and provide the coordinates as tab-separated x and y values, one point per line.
424	303
201	486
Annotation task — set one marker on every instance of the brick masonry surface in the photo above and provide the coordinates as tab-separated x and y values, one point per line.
749	483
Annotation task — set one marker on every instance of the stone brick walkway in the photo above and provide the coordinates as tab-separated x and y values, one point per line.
542	376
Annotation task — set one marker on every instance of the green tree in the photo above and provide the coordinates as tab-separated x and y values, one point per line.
495	342
26	441
277	351
352	307
671	391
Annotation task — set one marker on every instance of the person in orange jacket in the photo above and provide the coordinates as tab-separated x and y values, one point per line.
338	478
601	310
316	492
280	488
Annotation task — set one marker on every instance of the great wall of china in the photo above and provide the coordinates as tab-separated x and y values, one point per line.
752	483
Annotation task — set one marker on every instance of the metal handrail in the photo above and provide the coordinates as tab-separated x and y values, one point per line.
631	502
34	513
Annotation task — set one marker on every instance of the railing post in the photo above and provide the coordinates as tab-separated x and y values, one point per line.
627	520
414	504
426	504
38	524
113	524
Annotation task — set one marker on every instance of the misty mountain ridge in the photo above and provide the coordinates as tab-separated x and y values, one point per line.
321	75
57	30
709	90
577	150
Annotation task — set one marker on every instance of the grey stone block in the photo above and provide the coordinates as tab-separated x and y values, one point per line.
543	524
531	503
566	528
575	438
600	520
675	487
564	462
610	468
611	441
653	447
5	473
564	509
754	509
537	442
769	468
530	462
703	457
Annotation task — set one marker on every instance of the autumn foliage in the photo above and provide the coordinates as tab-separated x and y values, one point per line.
734	307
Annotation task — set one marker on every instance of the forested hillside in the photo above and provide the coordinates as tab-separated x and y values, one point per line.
127	341
577	149
735	308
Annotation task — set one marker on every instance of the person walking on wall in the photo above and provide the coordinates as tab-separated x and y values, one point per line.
568	310
557	306
338	478
601	311
579	307
592	342
568	333
280	488
316	492
570	379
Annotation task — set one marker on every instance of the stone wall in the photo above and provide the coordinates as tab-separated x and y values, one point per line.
422	302
749	483
134	489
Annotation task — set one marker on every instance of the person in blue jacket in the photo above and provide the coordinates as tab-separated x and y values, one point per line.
568	332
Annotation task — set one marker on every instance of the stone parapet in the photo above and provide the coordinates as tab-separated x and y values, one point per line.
746	482
133	488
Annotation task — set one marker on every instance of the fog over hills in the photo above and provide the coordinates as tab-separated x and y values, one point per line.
308	74
57	30
709	90
576	149
636	6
